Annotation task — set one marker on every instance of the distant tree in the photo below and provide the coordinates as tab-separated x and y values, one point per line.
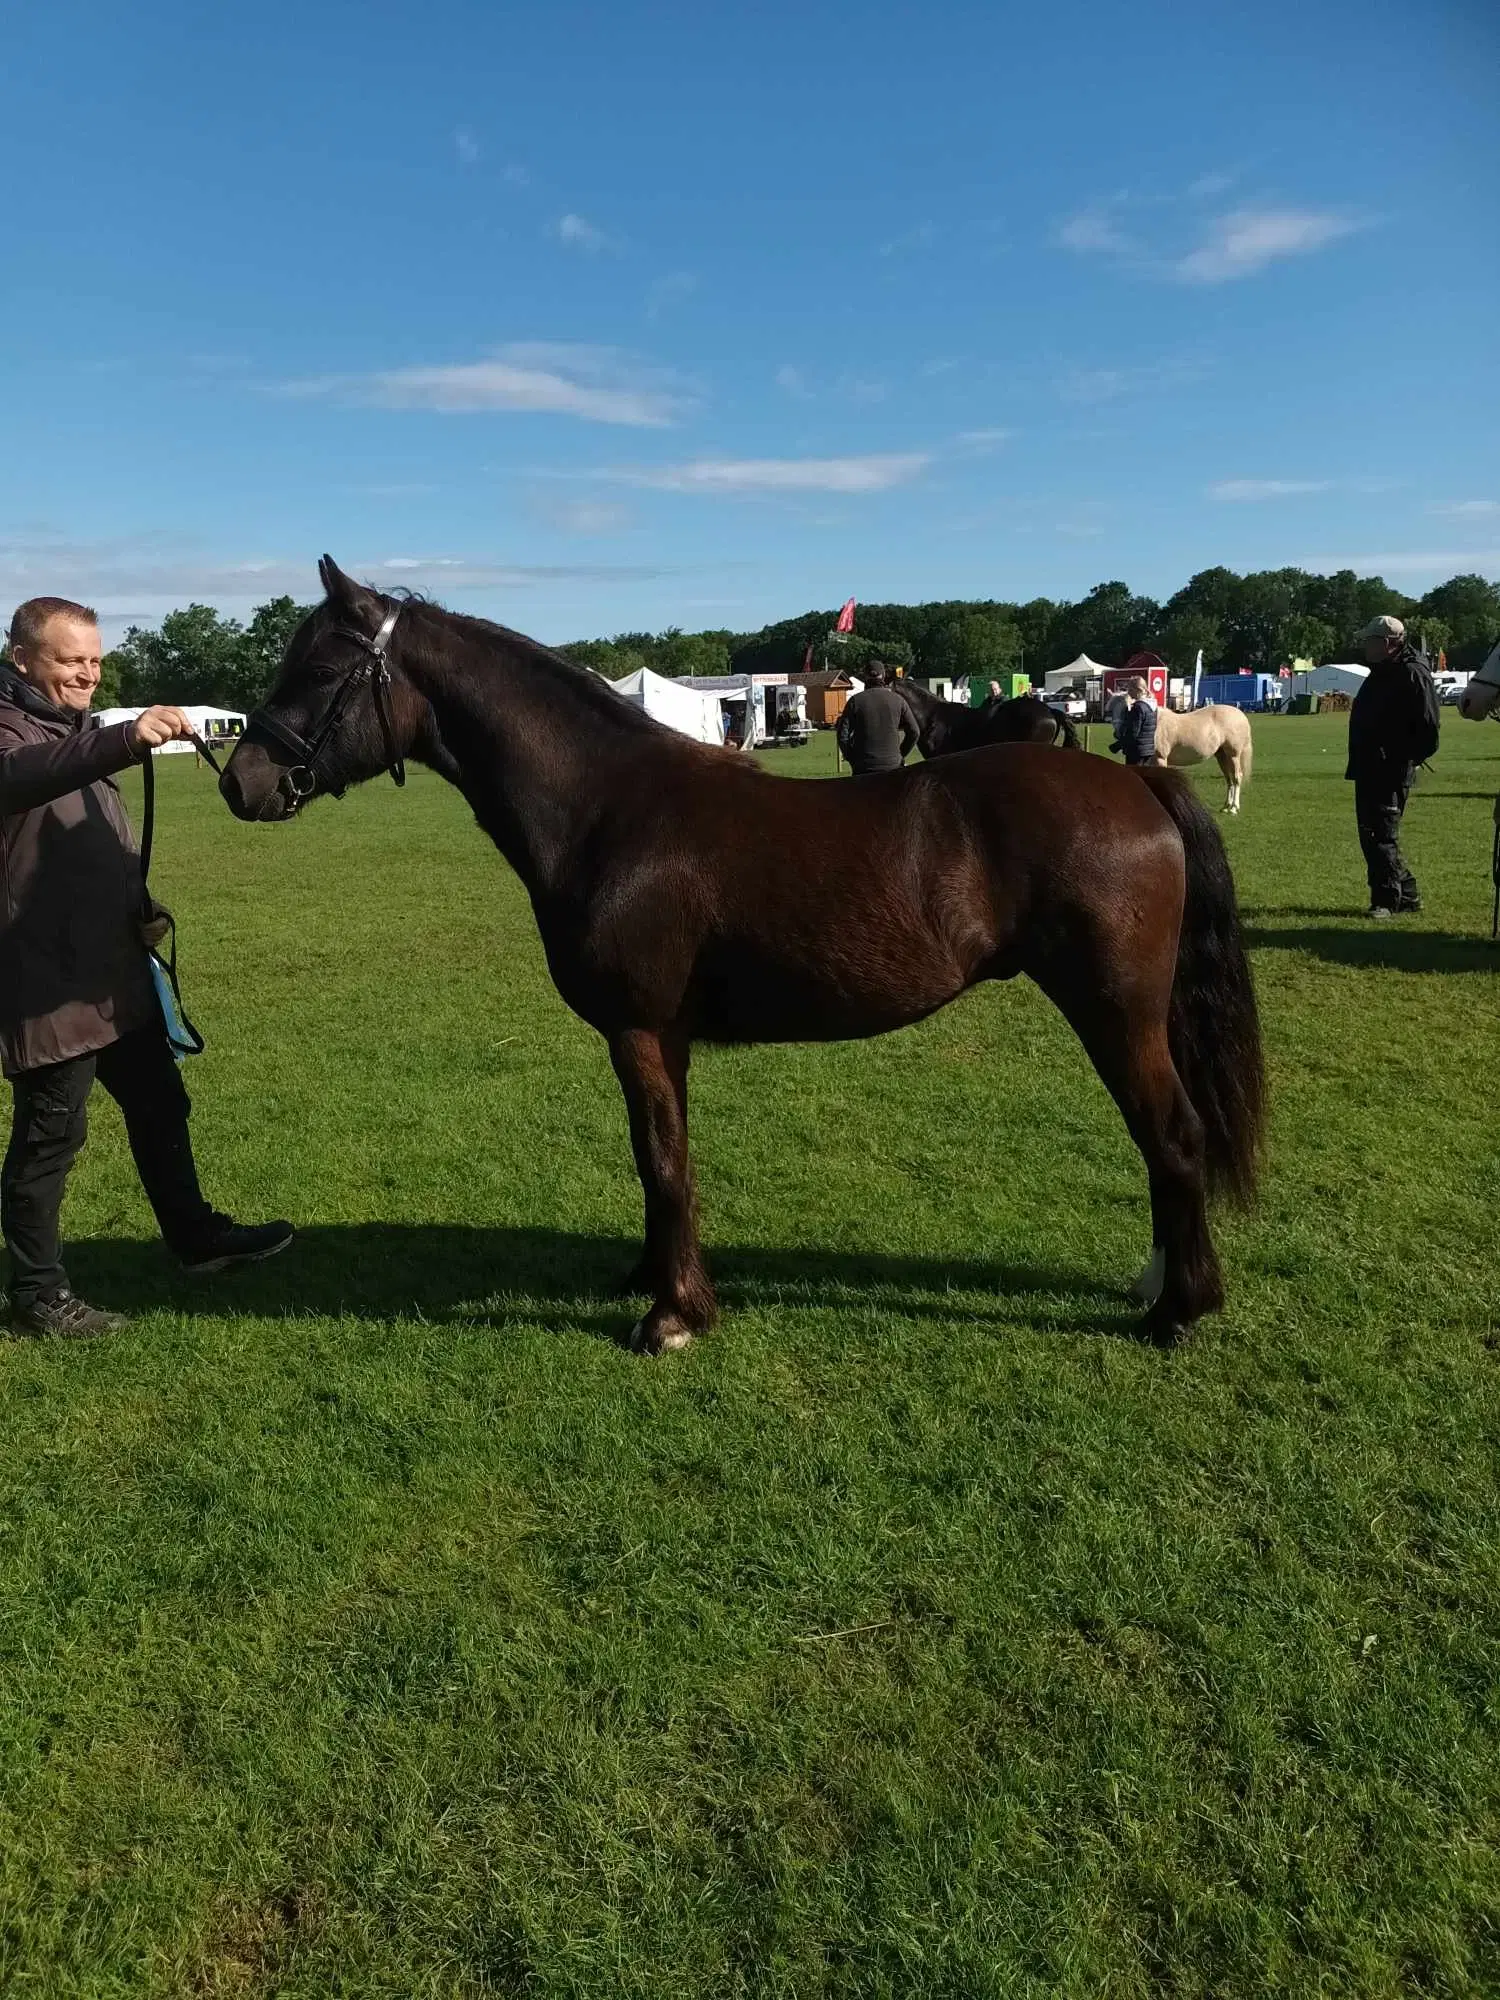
195	657
981	646
1187	634
107	694
261	648
1433	635
1309	638
1109	625
1470	607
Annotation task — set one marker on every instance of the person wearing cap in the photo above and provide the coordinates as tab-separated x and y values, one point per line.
876	731
76	995
1135	730
1393	727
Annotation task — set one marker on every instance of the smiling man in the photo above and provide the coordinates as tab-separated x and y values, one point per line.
76	996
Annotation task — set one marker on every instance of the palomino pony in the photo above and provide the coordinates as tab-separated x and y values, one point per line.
873	902
946	726
1219	730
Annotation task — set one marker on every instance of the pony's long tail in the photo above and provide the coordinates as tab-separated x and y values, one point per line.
1247	758
1067	736
1214	1027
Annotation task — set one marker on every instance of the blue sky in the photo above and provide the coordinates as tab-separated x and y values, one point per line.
595	318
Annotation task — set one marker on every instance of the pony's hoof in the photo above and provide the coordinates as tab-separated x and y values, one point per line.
1148	1286
660	1333
1162	1329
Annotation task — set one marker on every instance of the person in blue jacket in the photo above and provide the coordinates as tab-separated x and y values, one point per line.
1135	729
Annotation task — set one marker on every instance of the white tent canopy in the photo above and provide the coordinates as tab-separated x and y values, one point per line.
1082	669
689	711
1329	680
207	721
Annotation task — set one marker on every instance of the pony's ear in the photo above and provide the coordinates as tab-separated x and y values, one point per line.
351	600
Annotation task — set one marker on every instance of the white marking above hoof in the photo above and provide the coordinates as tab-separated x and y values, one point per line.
1148	1286
674	1336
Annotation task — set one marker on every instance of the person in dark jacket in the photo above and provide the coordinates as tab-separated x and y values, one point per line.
76	995
1135	731
876	730
1393	727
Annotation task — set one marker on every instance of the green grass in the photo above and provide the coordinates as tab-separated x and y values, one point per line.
373	1624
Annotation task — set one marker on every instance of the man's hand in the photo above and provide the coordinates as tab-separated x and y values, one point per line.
155	726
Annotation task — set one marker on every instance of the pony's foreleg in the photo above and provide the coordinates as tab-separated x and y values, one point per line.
653	1072
1229	763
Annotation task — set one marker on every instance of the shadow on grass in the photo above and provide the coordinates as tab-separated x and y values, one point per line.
1389	947
450	1273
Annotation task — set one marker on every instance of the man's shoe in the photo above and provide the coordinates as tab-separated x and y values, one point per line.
1381	913
227	1242
60	1316
1408	906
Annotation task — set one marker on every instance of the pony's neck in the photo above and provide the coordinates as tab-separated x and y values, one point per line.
528	731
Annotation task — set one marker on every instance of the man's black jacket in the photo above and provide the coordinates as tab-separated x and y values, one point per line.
1393	725
876	730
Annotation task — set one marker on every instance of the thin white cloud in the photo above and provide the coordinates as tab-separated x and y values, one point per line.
1208	185
1094	231
920	238
669	291
466	146
793	381
1105	385
981	442
589	517
1266	489
1403	562
875	472
578	233
1246	241
599	385
138	581
1469	510
516	176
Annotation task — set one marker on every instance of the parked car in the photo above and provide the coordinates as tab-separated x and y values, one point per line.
1073	706
1450	688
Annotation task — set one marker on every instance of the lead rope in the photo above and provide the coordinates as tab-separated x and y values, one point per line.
148	907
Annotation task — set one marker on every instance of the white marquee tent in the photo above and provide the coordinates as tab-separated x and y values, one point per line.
1082	669
1329	680
690	711
210	722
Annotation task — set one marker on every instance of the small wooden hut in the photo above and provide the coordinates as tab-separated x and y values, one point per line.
826	695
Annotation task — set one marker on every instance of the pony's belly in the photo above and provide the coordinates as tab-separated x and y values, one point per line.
769	1003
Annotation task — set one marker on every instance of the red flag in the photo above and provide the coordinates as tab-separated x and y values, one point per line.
807	657
846	618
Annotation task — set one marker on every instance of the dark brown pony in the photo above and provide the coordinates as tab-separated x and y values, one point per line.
944	727
873	902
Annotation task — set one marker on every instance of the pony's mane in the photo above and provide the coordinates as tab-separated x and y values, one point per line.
582	684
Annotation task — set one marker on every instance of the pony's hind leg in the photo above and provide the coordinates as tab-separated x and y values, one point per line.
653	1071
1126	1038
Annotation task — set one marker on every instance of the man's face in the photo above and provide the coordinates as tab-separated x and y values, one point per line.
63	666
1383	646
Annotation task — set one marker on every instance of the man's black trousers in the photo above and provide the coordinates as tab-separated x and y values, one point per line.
1379	802
48	1128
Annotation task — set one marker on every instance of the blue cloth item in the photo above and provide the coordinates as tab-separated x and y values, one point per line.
182	1037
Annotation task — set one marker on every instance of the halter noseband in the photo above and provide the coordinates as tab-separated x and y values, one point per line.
300	778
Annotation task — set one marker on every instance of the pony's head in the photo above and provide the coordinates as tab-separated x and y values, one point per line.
340	710
1482	695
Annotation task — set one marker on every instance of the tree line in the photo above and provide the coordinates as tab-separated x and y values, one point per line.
1256	621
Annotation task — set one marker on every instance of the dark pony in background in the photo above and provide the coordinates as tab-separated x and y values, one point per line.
874	902
946	726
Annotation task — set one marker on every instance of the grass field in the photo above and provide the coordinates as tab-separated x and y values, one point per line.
373	1624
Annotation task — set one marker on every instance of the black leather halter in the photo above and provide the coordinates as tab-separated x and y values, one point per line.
301	779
